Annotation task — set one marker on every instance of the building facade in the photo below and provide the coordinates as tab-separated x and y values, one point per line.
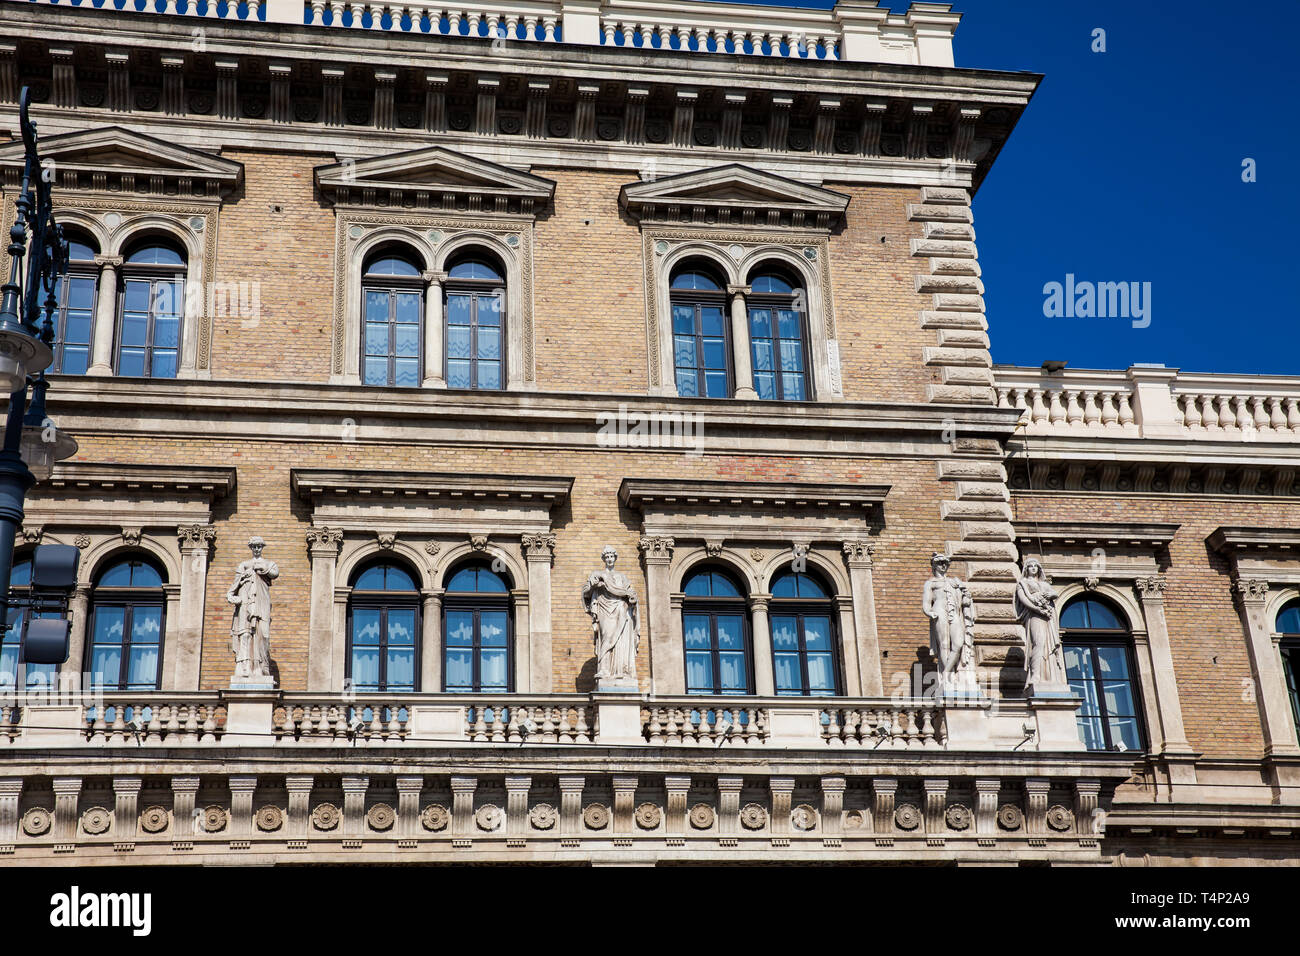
443	303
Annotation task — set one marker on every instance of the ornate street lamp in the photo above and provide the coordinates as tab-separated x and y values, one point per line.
26	350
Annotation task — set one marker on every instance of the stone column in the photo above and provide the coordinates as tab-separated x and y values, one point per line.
678	792
11	788
523	669
1266	667
761	629
857	555
184	647
323	548
571	809
885	789
354	806
126	815
667	661
241	806
729	807
517	810
101	354
741	358
832	809
782	790
431	641
433	340
78	629
538	549
936	803
408	809
1037	790
1151	592
848	638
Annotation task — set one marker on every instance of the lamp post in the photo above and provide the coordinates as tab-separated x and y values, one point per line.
26	350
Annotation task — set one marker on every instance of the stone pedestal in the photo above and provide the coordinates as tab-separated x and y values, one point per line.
1054	719
966	724
618	717
249	715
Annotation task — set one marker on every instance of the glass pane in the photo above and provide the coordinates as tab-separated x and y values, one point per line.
81	292
75	360
135	329
786	670
1124	732
695	627
365	668
809	587
821	674
164	364
684	319
492	669
130	362
785	586
110	625
788	325
765	385
715	385
146	625
365	625
1288	622
459	670
1078	662
168	297
395	579
693	280
21	575
489	343
166	331
76	328
817	633
460	628
489	309
376	371
136	298
760	323
489	582
762	356
715	354
1091	733
458	309
144	575
392	265
474	269
1113	662
1074	615
458	339
784	635
492	628
699	672
1091	701
376	339
1119	698
401	625
458	373
80	251
409	306
684	351
406	372
687	384
731	632
792	386
142	668
371	579
733	672
711	321
722	586
771	284
401	669
489	374
116	576
106	666
466	579
791	356
156	254
1103	617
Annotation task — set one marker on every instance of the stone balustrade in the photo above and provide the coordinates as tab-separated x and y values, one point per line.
288	719
857	30
1152	402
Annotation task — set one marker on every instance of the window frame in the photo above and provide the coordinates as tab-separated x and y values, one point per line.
773	301
712	606
154	274
477	602
799	607
477	290
393	285
77	269
129	599
1288	647
699	299
1092	639
385	601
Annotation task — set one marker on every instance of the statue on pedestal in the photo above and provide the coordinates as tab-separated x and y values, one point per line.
1036	607
615	624
250	625
947	602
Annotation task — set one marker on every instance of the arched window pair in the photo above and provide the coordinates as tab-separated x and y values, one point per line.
719	646
394	315
703	355
1099	666
125	636
384	626
149	300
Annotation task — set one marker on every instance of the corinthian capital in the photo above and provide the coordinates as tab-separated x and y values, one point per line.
324	540
1251	589
539	546
857	553
196	537
1151	588
656	548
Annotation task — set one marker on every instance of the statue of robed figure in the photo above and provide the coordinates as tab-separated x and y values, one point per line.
1035	605
615	624
250	624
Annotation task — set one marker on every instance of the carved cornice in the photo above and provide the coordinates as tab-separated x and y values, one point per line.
735	195
1232	540
674	494
81	477
311	483
1045	475
1097	533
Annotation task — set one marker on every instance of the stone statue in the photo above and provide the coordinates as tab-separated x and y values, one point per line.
948	603
1036	607
250	625
615	624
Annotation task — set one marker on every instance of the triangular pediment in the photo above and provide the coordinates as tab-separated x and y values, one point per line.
115	159
733	195
433	178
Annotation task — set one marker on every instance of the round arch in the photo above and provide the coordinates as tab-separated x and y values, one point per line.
688	560
1123	602
834	574
464	242
705	252
97	556
87	224
363	552
395	237
1276	601
512	569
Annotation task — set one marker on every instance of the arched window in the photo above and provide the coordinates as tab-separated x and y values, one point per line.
150	310
393	296
1099	666
1288	625
478	646
34	675
75	294
805	661
476	320
715	626
778	337
701	346
126	625
383	629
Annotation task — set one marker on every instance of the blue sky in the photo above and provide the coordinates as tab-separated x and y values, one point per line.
1127	166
